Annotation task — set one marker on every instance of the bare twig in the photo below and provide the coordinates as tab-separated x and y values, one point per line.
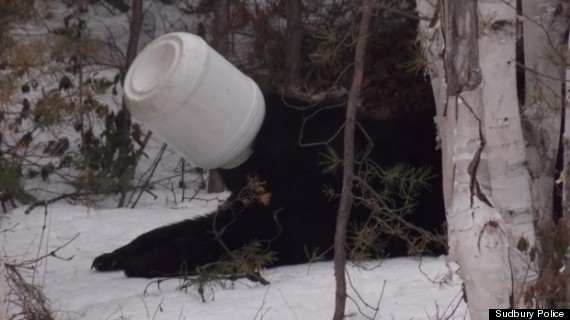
361	299
45	203
260	312
118	4
153	168
52	253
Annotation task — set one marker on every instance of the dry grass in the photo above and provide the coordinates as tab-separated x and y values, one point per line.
25	301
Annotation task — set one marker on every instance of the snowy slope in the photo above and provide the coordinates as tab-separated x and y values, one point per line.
295	292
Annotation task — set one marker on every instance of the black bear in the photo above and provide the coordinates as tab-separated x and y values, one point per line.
289	162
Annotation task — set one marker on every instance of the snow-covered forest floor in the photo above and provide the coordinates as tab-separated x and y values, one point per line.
402	287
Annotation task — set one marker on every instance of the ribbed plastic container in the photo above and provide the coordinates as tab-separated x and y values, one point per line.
196	100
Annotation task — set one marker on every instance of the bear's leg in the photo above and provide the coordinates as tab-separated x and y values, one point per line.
154	239
180	248
177	257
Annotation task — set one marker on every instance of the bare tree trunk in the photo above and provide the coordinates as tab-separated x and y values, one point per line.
461	46
221	44
215	182
486	181
221	26
565	174
123	119
348	165
294	40
135	31
542	110
510	184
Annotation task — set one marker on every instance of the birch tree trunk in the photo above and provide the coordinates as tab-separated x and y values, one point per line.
543	28
510	183
487	186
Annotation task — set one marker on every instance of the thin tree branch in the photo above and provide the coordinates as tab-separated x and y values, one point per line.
118	4
348	165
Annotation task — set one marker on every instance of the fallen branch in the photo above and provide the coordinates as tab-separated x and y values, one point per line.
76	195
199	280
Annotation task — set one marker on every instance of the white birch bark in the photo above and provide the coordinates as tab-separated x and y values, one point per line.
543	28
483	236
505	150
477	240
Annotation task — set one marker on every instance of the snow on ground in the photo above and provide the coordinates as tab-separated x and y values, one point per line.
295	292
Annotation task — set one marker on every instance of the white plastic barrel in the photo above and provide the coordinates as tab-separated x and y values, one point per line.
196	100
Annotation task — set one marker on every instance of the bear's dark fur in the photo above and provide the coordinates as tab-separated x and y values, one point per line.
288	155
